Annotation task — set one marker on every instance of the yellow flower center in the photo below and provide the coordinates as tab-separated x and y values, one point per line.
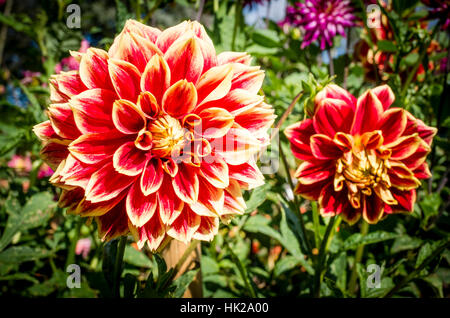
363	172
168	136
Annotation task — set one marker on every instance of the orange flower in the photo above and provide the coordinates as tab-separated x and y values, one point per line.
156	136
360	157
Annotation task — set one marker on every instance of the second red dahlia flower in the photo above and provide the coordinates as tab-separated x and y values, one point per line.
360	157
156	136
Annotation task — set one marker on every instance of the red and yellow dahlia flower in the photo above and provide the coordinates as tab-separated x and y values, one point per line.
360	157
157	136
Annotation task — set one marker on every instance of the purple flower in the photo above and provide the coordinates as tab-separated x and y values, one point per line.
321	20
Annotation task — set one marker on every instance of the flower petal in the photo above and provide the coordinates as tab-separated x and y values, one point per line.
385	95
170	206
152	176
313	172
94	69
63	121
215	122
404	147
214	84
332	116
215	170
127	117
129	160
92	110
140	208
209	227
335	92
156	77
93	148
210	200
114	223
367	114
153	232
185	60
184	227
392	123
180	99
247	175
148	105
125	78
185	184
323	147
107	183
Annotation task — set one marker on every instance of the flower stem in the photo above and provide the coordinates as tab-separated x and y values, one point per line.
296	203
118	266
318	275
358	256
73	243
330	57
237	22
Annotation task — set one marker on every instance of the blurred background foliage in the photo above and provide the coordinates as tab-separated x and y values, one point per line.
262	253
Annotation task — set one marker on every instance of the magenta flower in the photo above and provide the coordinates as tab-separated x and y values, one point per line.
320	20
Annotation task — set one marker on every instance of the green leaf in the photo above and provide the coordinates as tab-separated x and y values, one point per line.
257	197
20	254
136	258
404	243
267	38
35	213
286	263
411	59
386	46
183	282
357	239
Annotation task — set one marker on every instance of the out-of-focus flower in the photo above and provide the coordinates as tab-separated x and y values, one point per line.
83	247
29	76
252	3
157	136
72	62
379	64
20	163
44	171
360	157
320	20
439	9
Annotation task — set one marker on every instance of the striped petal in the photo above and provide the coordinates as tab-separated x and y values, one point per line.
180	99
125	78
140	208
127	117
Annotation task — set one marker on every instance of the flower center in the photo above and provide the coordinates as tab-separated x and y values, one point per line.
168	136
363	172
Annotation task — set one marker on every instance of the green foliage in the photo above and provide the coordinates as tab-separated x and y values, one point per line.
275	248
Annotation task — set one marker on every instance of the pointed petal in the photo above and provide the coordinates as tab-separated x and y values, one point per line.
367	115
210	200
234	203
385	95
247	174
156	77
233	57
170	205
312	172
185	184
209	227
127	117
44	131
153	232
140	208
372	209
92	110
135	49
214	84
152	177
53	153
114	223
404	147
129	160
215	170
184	227
332	116
63	121
180	99
148	105
332	202
125	78
107	183
215	122
323	147
392	123
93	148
336	92
185	60
94	69
249	78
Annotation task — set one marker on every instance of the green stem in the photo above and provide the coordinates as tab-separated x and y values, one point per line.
316	223
243	271
423	51
318	275
358	256
237	22
330	57
296	203
415	272
118	266
73	243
